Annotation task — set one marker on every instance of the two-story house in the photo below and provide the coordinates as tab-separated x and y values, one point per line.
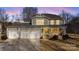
49	24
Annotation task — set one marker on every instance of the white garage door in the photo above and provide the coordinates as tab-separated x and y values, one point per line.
24	34
12	33
29	34
34	34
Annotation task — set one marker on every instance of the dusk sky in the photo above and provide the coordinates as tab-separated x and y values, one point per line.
52	10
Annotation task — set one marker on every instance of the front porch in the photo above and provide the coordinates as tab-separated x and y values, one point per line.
48	32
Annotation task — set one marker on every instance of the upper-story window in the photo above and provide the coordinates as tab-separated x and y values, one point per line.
54	22
39	22
57	22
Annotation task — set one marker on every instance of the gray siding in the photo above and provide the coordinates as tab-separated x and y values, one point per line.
46	22
33	21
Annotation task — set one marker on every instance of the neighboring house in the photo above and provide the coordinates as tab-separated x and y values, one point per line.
41	25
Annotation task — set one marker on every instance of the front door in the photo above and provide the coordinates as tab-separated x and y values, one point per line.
55	31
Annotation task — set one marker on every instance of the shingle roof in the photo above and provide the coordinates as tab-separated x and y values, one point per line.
49	16
16	24
53	16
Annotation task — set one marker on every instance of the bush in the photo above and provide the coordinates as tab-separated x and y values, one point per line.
4	37
65	37
47	36
41	37
55	37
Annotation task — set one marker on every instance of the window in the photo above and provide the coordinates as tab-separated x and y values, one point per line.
40	22
45	30
57	22
52	22
55	30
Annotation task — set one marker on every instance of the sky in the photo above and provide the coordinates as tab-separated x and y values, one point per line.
58	10
52	10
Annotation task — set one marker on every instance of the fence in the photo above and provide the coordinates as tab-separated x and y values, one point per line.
73	35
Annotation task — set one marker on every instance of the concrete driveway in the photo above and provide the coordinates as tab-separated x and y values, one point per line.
17	45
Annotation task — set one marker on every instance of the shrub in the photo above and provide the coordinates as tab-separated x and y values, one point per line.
4	37
65	37
55	37
41	37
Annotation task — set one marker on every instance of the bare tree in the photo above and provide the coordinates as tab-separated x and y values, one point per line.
66	16
28	12
3	19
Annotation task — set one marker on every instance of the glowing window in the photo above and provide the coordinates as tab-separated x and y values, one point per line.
57	22
39	22
52	22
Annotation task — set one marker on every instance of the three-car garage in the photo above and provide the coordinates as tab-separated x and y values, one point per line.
23	33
